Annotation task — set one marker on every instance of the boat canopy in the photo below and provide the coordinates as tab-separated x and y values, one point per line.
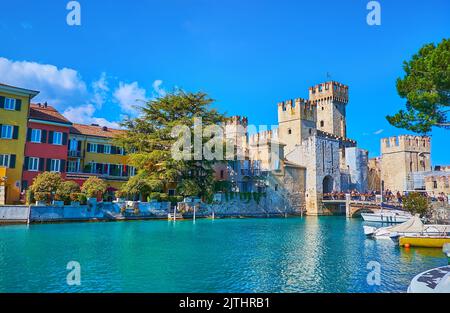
413	225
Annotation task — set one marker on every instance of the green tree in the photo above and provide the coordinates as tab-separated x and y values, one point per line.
416	203
150	139
65	189
93	187
47	182
426	88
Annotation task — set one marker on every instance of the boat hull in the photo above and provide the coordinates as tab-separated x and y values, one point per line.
384	218
424	241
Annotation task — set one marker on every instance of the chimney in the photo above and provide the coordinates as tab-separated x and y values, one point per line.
45	104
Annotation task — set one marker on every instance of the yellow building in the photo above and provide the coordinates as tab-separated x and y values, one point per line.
92	153
14	108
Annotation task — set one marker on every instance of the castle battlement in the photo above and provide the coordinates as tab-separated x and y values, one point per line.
327	91
264	137
406	143
237	120
298	108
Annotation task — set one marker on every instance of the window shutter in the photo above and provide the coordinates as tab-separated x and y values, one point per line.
79	146
50	137
12	161
49	163
63	166
101	148
16	132
25	163
88	147
18	104
113	150
64	139
2	102
43	136
29	130
41	164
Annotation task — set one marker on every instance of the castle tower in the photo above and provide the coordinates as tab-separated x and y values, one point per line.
331	99
401	156
296	122
236	133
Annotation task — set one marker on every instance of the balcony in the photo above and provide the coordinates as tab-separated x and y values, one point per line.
74	154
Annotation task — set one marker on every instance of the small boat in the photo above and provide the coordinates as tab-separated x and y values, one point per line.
436	280
172	217
412	227
424	241
387	216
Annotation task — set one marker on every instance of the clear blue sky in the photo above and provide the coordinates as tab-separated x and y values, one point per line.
248	55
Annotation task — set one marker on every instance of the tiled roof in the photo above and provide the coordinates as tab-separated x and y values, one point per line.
47	113
98	131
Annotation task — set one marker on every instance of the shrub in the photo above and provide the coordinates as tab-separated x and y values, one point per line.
93	187
65	190
42	196
155	196
76	196
46	182
82	198
164	197
29	197
120	194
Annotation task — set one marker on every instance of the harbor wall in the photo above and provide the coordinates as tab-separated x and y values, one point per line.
14	214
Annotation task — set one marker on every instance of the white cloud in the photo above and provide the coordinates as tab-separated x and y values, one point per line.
101	90
378	132
160	92
57	86
85	115
129	96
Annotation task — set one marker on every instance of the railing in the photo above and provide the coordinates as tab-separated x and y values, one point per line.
74	154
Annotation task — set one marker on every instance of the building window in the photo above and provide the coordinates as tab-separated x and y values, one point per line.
289	131
107	149
222	174
435	184
7	132
73	166
55	165
10	104
73	146
322	123
132	171
57	138
4	160
171	192
121	151
36	135
93	147
33	164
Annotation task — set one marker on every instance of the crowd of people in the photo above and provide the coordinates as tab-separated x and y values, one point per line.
388	196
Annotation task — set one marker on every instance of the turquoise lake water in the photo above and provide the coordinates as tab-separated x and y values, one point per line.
326	254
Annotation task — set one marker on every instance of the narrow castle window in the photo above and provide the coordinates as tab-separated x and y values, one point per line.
322	123
289	131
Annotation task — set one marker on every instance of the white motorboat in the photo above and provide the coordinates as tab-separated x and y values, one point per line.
412	227
436	280
387	216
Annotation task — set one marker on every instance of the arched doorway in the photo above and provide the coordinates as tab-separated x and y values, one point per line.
328	184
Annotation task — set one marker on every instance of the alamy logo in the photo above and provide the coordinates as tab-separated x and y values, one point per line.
74	276
374	16
374	276
74	16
